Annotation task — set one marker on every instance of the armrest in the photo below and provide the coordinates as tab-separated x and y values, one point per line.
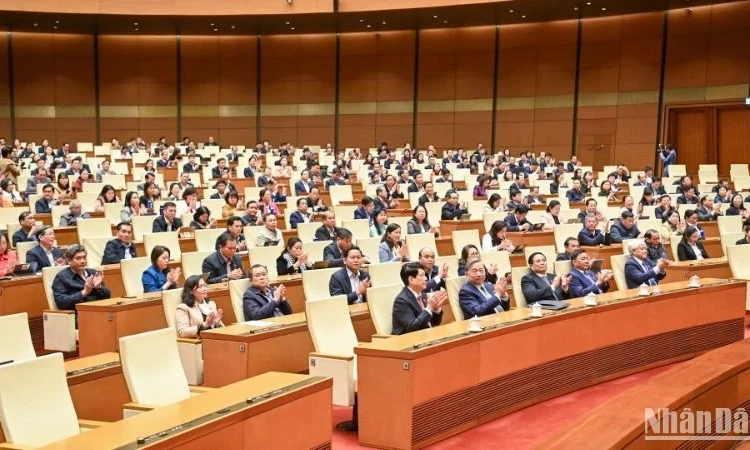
189	341
57	311
91	423
331	356
142	407
381	336
200	390
8	445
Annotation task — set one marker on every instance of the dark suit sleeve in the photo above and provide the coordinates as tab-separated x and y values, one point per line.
215	272
110	254
329	256
635	276
64	298
33	259
615	233
578	287
404	319
336	287
533	292
256	308
157	226
476	305
282	267
512	225
684	252
321	235
294	220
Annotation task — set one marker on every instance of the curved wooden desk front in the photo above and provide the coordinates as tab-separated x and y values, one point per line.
421	387
717	379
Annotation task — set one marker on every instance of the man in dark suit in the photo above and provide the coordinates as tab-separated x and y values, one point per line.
624	229
435	275
350	281
224	263
221	167
167	221
745	240
516	220
640	270
191	165
540	285
571	245
27	232
575	194
334	252
582	280
262	302
656	250
76	283
478	297
327	231
305	185
365	209
44	204
451	209
121	247
45	254
302	215
590	209
413	310
590	235
336	179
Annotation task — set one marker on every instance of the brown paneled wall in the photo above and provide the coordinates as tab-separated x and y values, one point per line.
590	86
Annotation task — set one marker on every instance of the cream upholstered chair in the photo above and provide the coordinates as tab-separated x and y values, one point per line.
500	259
205	240
15	338
91	228
517	273
192	262
59	325
315	283
314	250
168	239
340	193
57	212
738	256
673	245
10	215
132	272
618	270
564	231
153	370
729	239
343	212
380	301
729	224
237	290
95	248
306	231
369	247
360	228
333	336
452	262
190	350
648	224
22	248
267	257
36	408
547	250
385	273
462	238
142	225
416	242
112	212
562	267
453	287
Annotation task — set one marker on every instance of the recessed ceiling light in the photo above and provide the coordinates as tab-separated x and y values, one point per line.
511	11
588	3
292	28
575	9
54	28
604	9
36	24
361	20
57	21
135	23
137	29
233	27
216	29
384	22
369	26
523	17
435	17
445	21
212	24
287	22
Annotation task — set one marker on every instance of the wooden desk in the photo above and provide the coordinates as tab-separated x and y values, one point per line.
240	351
97	386
295	295
532	238
708	268
447	227
25	294
712	245
716	379
517	361
711	229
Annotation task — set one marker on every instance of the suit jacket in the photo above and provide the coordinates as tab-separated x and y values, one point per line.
618	233
575	196
259	305
187	167
323	234
153	279
332	253
514	224
656	253
659	212
685	251
340	284
67	287
297	218
432	284
302	188
360	213
114	252
536	289
22	236
248	172
188	320
474	303
32	183
216	267
330	182
563	257
582	284
42	206
38	257
160	225
450	212
425	199
635	275
705	215
408	314
742	241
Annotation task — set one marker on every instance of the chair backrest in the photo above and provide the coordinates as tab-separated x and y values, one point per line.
500	259
416	242
192	262
728	239
35	404
674	243
266	256
205	240
380	301
112	212
132	273
648	224
95	248
152	368
618	270
91	228
563	267
142	225
314	250
491	218
729	224
48	276
547	250
306	231
369	247
10	215
564	231
385	274
517	273
169	239
343	212
462	238
15	338
170	299
315	283
340	193
452	262
22	248
360	228
453	286
237	289
738	256
330	326
57	212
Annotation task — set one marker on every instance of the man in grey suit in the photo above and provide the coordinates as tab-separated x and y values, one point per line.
39	179
540	285
412	309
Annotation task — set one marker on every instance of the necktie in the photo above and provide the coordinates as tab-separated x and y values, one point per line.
646	269
484	292
550	286
355	286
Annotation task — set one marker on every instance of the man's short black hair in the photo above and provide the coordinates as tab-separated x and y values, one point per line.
410	270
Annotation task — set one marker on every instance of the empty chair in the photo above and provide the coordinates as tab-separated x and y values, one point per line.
360	228
91	228
192	262
738	256
453	287
462	238
380	301
22	248
333	336
562	267
369	247
517	273
190	350
315	283
141	226
205	240
132	271
36	408
340	193
385	273
15	338
729	224
59	325
168	239
267	257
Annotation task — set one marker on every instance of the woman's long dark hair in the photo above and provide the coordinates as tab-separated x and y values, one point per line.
426	217
156	252
465	253
388	230
497	226
199	212
289	244
187	292
689	231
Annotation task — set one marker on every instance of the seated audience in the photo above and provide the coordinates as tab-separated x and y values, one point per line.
365	209
269	235
158	276
478	297
327	231
517	221
470	252
540	285
745	240
8	257
167	221
419	223
570	245
234	227
231	199
350	280
413	309
121	247
451	209
552	216
690	247
391	248
656	250
436	276
44	204
334	252
27	233
197	312
224	264
133	207
293	260
624	229
496	239
76	283
261	301
671	226
45	254
251	216
379	222
302	215
641	270
70	218
583	280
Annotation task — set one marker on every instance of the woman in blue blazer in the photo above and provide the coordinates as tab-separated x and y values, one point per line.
391	249
159	277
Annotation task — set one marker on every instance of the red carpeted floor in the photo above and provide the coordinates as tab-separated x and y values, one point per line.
525	428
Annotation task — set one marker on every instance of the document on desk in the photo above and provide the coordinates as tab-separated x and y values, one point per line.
258	323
